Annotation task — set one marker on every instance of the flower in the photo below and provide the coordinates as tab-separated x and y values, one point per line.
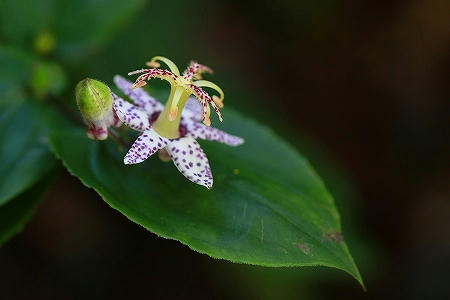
149	117
182	86
94	99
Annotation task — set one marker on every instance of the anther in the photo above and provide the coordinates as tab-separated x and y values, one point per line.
217	101
153	64
138	85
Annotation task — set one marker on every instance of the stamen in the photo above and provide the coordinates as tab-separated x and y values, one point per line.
173	67
201	95
209	84
154	73
138	84
216	109
205	69
138	71
198	76
217	101
195	70
207	120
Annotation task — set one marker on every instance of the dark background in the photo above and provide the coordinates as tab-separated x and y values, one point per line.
361	88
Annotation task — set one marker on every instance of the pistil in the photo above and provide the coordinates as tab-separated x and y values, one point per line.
168	122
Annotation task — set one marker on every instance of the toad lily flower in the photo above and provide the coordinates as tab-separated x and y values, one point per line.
171	131
181	88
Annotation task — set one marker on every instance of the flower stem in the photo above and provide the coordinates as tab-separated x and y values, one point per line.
116	137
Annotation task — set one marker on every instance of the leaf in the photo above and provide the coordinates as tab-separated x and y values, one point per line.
267	207
77	37
72	28
24	155
15	214
15	70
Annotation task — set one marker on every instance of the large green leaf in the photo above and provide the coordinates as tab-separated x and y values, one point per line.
267	207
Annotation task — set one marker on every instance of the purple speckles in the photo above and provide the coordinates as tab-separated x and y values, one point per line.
131	115
139	151
200	131
185	152
190	157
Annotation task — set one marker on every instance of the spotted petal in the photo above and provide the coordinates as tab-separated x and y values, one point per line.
191	161
200	131
131	115
192	109
145	145
139	96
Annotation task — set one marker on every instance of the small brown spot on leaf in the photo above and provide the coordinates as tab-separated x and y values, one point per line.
303	247
334	236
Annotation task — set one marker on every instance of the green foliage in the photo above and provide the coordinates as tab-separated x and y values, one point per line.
45	28
267	206
71	29
24	155
14	214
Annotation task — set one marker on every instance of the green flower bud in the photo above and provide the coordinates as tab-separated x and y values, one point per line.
94	99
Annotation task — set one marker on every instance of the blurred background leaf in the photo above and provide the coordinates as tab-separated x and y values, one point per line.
24	155
69	29
15	214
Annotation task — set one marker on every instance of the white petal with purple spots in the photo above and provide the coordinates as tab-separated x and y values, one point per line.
146	144
192	109
138	96
191	161
200	131
131	115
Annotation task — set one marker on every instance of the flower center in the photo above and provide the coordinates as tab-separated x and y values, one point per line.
168	122
182	130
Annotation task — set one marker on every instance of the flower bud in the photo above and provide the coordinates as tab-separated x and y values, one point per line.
94	99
